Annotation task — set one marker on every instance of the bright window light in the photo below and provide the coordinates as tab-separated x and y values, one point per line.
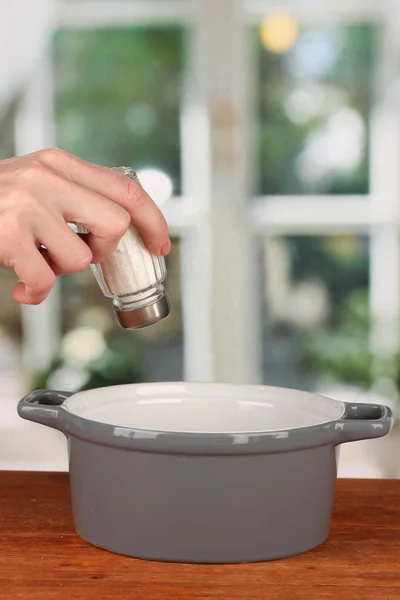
279	32
157	184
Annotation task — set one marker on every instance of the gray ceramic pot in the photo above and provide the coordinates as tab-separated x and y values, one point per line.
201	472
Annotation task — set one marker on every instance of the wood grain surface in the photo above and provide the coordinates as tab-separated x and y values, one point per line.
41	558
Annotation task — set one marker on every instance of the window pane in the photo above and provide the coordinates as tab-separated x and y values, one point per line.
117	95
314	99
117	102
316	311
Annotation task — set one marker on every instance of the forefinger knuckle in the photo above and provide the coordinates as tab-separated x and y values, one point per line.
50	154
132	193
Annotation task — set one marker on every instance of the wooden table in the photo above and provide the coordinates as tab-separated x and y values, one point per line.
41	558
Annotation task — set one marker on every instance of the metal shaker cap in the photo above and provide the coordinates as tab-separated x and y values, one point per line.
144	316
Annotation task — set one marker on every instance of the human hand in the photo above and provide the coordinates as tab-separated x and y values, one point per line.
41	192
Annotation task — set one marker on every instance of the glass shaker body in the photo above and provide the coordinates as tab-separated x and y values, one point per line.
133	277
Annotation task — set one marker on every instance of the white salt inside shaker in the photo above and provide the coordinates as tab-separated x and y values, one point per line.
133	277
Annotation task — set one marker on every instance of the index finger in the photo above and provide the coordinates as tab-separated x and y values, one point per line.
144	213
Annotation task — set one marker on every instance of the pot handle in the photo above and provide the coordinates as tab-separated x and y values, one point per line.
45	407
363	421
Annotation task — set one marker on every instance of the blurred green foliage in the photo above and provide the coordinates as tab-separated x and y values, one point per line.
119	364
341	262
280	140
343	353
117	96
117	102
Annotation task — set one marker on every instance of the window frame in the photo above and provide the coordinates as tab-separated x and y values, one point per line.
215	295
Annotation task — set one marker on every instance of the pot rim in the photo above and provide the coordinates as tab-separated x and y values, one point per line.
227	393
356	421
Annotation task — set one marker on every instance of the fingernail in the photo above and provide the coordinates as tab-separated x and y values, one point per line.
166	248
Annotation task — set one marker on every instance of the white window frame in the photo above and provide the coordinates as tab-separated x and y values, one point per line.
215	218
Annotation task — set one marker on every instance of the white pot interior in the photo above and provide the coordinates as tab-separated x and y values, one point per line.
204	408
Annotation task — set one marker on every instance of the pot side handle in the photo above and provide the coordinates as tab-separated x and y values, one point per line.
363	422
45	407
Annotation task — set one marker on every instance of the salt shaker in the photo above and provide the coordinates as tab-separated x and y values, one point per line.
133	277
